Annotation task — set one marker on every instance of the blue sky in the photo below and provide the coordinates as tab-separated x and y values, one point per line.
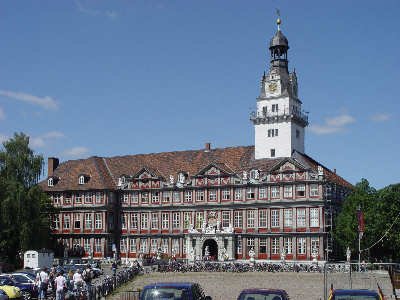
109	78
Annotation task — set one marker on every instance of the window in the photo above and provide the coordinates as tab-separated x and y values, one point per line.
99	197
143	245
274	107
275	218
132	245
262	192
238	194
175	245
212	195
78	198
57	198
199	220
297	133
154	220
288	191
250	194
122	245
50	182
86	245
125	198
274	245
200	195
314	217
67	224
88	197
165	220
124	223
81	179
177	197
153	246
238	219
166	197
134	221
97	245
164	245
135	197
88	221
226	219
56	222
314	190
144	221
301	245
272	132
288	217
176	220
301	217
262	218
226	194
145	197
315	245
263	246
155	197
186	219
272	152
67	198
250	243
275	192
188	196
254	174
288	245
239	247
98	221
251	218
300	190
77	221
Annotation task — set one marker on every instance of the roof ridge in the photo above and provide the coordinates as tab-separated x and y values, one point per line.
108	170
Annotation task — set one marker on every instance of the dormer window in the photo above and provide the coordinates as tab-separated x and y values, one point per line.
81	179
181	177
254	174
50	182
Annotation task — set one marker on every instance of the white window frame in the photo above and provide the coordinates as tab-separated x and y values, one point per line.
314	242
166	197
288	244
154	220
188	196
81	180
99	197
301	245
50	182
262	192
238	194
288	191
262	242
199	219
143	245
176	220
212	195
314	190
314	217
132	245
275	245
124	221
301	190
251	217
67	221
88	221
144	221
275	192
226	218
77	217
56	222
238	219
274	218
288	217
97	245
301	217
199	195
262	218
226	194
175	245
177	197
165	246
164	220
135	197
155	197
134	220
144	197
239	246
98	221
250	193
153	246
187	215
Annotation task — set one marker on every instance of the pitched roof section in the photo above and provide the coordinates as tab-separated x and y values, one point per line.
104	172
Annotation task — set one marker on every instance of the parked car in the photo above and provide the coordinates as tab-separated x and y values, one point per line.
354	294
263	294
27	279
11	291
27	290
173	290
3	295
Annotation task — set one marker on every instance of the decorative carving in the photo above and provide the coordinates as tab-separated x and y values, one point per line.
171	179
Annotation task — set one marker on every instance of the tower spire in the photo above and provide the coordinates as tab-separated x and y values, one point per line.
278	20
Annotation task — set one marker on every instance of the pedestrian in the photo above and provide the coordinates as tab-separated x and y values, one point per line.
114	268
42	281
60	284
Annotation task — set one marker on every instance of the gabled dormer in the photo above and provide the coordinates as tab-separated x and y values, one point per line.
83	179
214	170
52	181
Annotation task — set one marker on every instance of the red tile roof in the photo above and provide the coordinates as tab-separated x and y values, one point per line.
104	172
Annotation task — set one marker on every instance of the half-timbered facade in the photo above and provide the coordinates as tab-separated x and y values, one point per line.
270	198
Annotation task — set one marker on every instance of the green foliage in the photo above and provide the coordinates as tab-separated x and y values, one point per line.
24	208
380	210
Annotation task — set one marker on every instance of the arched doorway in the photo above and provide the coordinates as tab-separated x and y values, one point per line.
212	249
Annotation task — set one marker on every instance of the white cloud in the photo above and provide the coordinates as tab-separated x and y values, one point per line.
111	14
46	102
76	151
42	140
381	117
333	124
2	114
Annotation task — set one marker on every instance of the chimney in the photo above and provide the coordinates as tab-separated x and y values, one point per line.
207	147
334	170
52	164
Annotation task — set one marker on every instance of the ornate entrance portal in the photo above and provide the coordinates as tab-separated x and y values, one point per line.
210	249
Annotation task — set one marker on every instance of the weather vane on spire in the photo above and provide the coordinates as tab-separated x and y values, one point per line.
278	21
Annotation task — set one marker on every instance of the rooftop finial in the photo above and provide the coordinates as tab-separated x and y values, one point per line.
278	20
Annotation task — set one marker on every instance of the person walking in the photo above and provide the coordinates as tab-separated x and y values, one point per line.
60	284
42	281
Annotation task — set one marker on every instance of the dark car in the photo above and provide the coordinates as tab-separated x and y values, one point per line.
28	289
263	294
173	290
354	295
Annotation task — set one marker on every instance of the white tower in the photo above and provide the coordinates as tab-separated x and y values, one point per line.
279	121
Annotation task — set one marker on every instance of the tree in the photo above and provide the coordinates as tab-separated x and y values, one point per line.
24	207
380	209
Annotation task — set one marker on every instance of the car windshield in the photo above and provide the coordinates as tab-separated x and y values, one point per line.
355	297
165	293
260	296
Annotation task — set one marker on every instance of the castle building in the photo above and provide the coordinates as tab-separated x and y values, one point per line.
270	200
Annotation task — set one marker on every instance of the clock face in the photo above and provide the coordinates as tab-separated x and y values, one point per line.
272	87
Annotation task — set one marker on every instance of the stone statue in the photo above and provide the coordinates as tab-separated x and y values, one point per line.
283	255
314	256
256	174
348	254
252	254
244	175
192	229
181	178
218	225
171	179
223	254
204	227
207	252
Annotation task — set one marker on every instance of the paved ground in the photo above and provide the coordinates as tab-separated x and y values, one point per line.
228	285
